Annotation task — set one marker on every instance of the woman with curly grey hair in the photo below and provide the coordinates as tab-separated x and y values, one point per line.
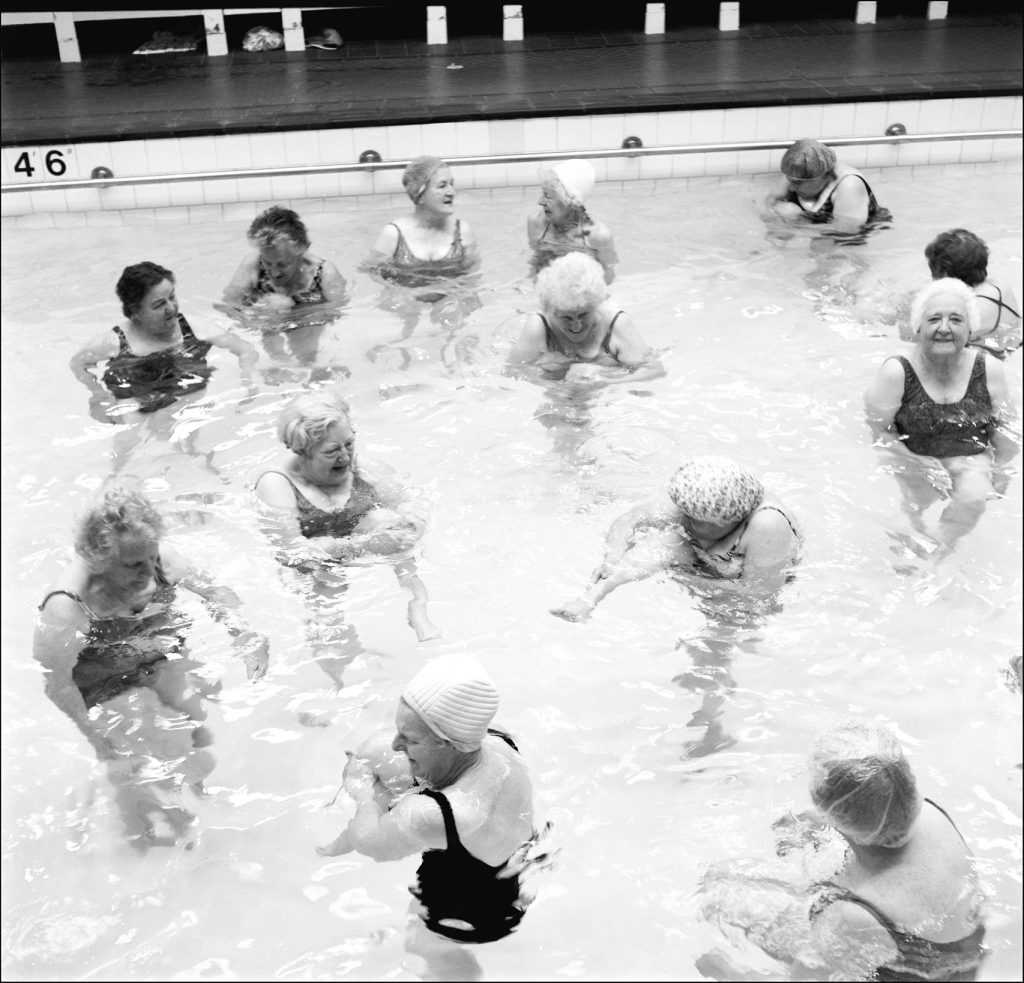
906	903
323	511
112	643
579	334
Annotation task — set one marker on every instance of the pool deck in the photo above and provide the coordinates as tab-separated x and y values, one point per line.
810	62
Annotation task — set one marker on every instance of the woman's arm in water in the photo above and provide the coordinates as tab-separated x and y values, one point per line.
60	636
223	603
242	284
600	238
1005	431
102	347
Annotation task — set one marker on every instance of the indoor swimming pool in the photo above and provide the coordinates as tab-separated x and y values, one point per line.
663	736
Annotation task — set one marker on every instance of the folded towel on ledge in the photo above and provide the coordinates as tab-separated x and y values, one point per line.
330	40
165	42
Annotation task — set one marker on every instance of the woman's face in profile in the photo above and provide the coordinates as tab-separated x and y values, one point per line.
157	313
439	195
554	206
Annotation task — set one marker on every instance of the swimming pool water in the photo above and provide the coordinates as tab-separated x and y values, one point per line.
653	755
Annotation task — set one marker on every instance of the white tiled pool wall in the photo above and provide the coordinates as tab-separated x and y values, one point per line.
238	198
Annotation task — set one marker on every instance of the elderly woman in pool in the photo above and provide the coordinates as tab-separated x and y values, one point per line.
579	334
715	520
283	273
945	414
906	904
818	189
962	255
153	356
431	243
112	645
562	225
328	511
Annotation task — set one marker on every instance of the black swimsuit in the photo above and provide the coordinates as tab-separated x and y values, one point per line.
555	343
158	378
453	885
315	521
115	658
313	294
919	958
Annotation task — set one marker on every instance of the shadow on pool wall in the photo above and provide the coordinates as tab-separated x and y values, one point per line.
648	777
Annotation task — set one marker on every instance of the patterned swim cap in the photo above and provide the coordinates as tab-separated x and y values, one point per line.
808	159
715	489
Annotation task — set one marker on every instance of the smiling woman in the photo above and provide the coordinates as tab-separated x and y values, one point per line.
940	410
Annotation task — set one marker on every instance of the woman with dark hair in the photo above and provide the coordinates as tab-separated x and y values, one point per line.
962	255
153	357
818	189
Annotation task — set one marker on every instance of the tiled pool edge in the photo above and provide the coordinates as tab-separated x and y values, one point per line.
217	199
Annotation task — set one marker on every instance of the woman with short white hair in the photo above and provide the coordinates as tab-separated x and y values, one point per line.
944	413
578	333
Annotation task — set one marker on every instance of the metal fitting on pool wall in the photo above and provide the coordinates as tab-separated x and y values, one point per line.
369	157
631	143
101	173
895	130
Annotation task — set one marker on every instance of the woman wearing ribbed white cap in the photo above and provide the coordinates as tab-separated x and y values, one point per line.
714	519
456	791
562	224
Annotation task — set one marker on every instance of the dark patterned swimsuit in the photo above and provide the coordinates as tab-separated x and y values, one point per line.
159	378
919	958
953	429
315	521
116	657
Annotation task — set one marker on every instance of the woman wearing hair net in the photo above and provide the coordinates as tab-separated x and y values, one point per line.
818	189
562	225
906	903
714	519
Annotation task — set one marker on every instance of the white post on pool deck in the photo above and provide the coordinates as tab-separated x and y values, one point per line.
291	26
437	25
512	29
67	36
216	38
867	12
937	10
654	19
728	16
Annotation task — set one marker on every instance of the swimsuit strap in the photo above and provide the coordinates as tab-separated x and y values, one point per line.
456	246
300	499
124	349
450	832
775	508
606	343
74	597
506	737
998	302
186	329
